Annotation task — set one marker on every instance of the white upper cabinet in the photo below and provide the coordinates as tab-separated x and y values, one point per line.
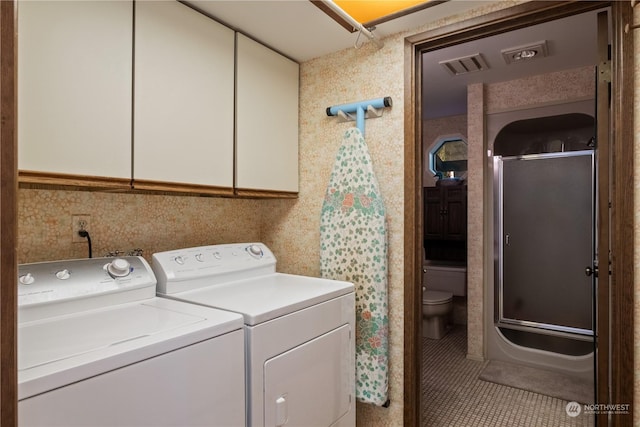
183	97
266	119
174	101
74	87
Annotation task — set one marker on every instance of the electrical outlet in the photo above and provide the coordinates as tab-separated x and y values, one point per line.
78	223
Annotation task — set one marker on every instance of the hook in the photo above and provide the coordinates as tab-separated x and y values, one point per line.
628	28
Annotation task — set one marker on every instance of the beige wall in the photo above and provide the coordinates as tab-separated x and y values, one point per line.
475	222
128	221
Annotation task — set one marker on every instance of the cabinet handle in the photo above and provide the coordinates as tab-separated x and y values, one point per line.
282	415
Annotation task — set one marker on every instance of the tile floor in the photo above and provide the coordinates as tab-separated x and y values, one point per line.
453	396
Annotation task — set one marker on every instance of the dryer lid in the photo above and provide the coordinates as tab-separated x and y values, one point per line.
266	297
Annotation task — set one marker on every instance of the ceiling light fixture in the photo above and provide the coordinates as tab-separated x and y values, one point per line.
372	12
523	53
336	12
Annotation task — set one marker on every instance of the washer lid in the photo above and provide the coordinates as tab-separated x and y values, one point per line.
267	297
61	350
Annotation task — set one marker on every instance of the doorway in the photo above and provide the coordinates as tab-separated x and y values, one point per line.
621	275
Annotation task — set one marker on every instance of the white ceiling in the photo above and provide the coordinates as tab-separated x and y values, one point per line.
301	31
571	43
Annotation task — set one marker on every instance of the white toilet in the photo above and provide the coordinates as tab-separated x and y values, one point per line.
441	281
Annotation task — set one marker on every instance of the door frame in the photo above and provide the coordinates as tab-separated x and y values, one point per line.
621	307
8	218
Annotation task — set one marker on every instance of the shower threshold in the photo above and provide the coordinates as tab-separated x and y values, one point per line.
557	342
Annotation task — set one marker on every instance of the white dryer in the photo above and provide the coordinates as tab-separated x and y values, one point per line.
97	347
300	331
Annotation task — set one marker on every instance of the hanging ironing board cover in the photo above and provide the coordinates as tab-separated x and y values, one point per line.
353	248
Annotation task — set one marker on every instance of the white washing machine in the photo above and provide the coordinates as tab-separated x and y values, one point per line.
299	331
97	347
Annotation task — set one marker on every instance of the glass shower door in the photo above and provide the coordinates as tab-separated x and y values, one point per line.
547	228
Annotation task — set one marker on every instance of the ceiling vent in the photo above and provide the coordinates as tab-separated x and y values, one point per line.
525	53
464	65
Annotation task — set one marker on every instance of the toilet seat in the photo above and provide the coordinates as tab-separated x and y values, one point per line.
436	297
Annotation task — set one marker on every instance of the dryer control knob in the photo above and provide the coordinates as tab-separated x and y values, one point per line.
26	279
119	268
255	251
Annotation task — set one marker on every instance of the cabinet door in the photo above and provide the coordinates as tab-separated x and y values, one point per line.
74	88
455	213
445	213
433	213
183	99
267	119
306	385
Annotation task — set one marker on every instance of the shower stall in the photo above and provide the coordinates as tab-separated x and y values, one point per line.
541	303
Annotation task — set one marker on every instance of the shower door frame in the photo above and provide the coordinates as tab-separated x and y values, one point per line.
499	242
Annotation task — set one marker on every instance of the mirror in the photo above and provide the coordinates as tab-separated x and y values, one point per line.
448	157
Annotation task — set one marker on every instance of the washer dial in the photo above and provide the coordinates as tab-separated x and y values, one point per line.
119	268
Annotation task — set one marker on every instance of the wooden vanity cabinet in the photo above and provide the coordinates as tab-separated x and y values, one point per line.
445	223
445	212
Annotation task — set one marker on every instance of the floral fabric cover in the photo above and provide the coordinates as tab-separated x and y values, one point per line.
353	248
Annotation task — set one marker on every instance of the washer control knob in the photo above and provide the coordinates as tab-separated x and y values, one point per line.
199	257
217	255
26	279
119	268
255	251
179	260
63	274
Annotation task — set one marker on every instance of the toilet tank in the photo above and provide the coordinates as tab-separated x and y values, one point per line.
445	276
